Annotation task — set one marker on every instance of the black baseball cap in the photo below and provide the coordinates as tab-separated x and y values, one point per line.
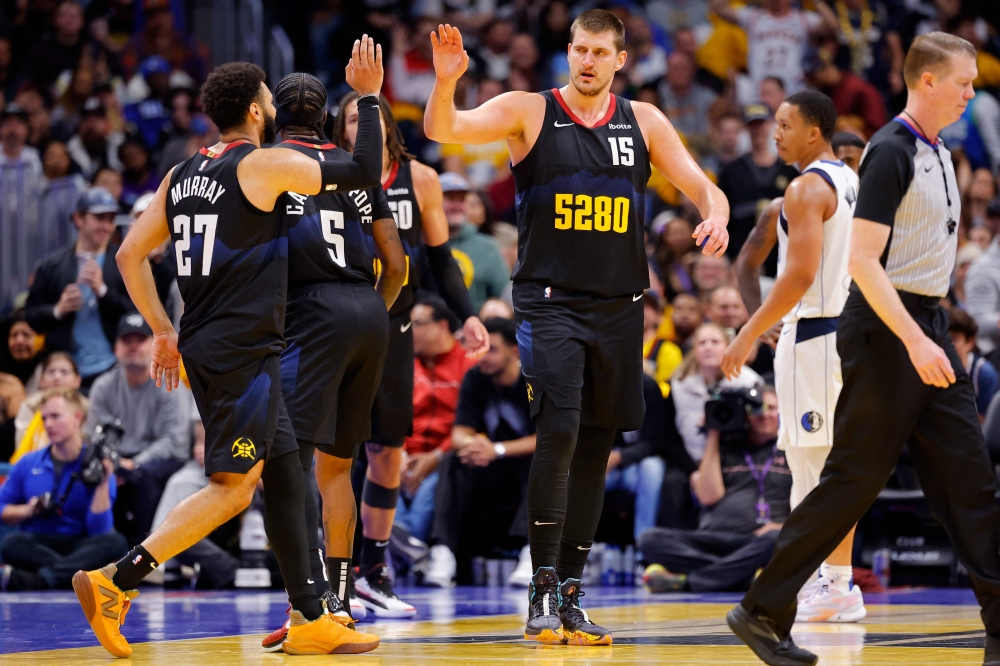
133	323
755	112
14	110
97	201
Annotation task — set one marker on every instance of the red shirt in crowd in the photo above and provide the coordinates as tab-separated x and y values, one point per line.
855	96
435	398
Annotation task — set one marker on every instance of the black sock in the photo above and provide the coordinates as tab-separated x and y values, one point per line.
548	481
287	532
339	569
572	558
133	568
372	553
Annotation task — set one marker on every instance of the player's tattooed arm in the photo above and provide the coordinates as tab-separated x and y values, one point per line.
148	233
389	249
762	239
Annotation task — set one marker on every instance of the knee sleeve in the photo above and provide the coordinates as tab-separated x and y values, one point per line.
379	497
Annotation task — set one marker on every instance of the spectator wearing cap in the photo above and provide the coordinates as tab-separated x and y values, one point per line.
486	275
62	187
78	296
982	289
95	144
150	115
983	374
685	101
20	184
851	95
753	180
157	434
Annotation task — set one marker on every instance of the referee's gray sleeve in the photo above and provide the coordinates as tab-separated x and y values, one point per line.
886	172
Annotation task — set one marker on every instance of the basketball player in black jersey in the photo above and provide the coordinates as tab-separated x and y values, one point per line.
337	330
581	159
220	209
414	194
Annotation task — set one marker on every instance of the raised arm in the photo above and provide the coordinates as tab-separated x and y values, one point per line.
809	201
148	233
762	239
668	154
498	119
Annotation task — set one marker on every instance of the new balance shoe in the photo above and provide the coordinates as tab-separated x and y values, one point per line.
577	627
759	634
521	575
105	607
829	603
544	624
333	606
375	592
440	568
324	635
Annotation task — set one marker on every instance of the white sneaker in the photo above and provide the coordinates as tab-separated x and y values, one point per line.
521	575
358	610
812	586
441	568
830	604
376	593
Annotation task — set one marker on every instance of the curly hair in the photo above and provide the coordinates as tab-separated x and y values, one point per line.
229	91
301	101
393	137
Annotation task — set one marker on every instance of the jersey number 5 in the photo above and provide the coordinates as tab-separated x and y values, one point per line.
330	220
204	225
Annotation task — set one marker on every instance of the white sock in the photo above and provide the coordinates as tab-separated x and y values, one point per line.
840	575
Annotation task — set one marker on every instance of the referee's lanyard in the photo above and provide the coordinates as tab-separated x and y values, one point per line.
760	475
951	224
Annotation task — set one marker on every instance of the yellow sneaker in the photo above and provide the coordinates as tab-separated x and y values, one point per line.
325	635
105	607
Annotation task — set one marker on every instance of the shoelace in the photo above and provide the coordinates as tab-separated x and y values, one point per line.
541	604
573	603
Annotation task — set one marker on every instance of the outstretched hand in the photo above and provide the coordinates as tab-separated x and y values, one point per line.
450	58
364	70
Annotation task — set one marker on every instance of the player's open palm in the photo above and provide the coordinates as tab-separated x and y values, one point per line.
364	70
165	363
450	58
931	363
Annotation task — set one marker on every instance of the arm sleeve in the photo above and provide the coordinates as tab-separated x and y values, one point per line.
380	205
469	412
365	168
170	431
449	280
886	172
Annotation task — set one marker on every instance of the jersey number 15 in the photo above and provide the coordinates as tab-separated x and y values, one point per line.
204	225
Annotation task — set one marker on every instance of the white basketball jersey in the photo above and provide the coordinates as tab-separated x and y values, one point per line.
828	292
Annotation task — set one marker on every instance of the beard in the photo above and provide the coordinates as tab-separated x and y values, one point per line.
592	92
270	132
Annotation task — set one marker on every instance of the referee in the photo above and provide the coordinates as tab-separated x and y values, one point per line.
904	384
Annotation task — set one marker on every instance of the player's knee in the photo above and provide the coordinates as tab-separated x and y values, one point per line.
330	468
384	461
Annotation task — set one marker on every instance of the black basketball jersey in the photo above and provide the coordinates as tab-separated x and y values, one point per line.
232	263
403	202
581	199
330	234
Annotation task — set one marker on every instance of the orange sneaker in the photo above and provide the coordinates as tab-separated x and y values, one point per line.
105	607
325	635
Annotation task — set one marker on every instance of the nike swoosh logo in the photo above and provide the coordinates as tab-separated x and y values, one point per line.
558	124
538	523
928	169
581	548
381	544
636	297
405	327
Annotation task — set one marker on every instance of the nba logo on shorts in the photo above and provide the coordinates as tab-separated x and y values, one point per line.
548	292
812	421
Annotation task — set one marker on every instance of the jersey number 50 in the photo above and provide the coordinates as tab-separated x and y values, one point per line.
591	213
204	225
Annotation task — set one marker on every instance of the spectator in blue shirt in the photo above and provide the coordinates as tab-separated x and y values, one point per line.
963	330
77	532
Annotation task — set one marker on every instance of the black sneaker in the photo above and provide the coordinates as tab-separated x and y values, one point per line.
375	591
577	627
336	608
761	636
544	624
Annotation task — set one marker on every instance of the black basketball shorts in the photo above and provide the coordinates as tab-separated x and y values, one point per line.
392	413
582	351
243	413
337	335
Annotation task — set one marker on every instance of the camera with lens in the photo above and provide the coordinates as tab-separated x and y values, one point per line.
103	446
728	410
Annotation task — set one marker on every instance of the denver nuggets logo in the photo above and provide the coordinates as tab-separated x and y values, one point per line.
531	393
244	448
812	421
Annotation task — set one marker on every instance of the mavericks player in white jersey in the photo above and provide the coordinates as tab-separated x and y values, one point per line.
813	236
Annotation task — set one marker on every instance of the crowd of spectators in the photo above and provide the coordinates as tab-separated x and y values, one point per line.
99	100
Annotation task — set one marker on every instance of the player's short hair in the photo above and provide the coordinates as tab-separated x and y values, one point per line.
393	136
597	22
962	322
932	53
300	99
847	139
72	397
505	328
816	109
229	91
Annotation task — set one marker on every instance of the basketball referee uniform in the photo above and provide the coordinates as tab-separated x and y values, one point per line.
908	184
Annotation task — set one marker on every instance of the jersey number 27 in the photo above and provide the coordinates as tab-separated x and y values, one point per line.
204	225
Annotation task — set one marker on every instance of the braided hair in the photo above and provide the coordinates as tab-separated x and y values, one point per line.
393	137
300	99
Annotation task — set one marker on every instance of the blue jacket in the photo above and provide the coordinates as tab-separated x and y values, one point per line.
34	475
